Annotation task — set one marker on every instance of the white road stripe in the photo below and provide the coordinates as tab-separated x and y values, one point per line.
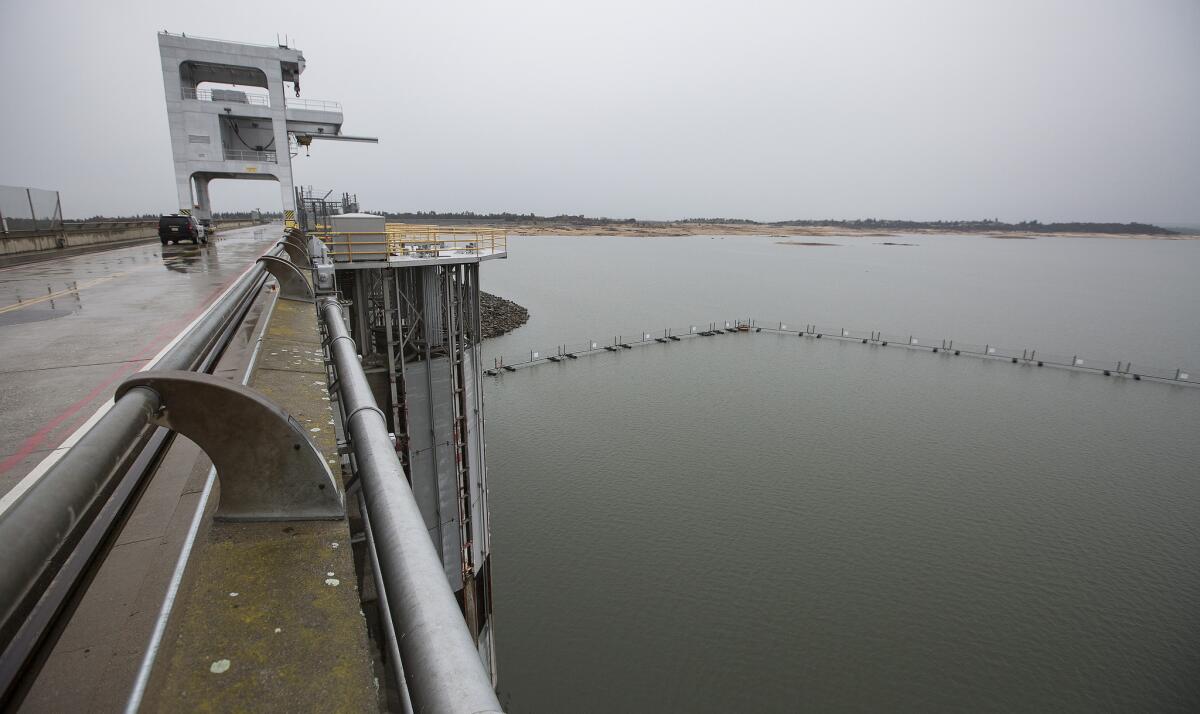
185	552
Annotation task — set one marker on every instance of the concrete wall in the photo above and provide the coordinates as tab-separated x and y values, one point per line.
192	117
99	234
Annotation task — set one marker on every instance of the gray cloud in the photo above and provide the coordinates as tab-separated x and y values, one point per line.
1051	109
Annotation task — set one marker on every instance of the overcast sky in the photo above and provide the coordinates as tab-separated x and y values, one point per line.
926	109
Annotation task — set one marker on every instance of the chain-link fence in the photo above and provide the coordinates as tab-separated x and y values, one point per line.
27	210
617	343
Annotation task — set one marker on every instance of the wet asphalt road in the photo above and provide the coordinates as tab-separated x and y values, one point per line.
72	329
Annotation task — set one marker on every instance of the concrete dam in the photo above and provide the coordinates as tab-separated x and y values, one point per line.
273	491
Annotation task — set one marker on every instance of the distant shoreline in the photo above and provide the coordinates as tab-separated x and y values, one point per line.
666	230
563	225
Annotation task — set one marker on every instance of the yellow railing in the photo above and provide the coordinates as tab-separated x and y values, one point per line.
404	240
403	237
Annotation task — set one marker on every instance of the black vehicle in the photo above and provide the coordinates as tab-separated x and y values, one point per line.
175	228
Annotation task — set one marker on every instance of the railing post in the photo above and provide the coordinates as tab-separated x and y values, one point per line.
268	468
32	213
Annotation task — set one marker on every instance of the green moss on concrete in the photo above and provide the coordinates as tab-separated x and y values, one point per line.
294	634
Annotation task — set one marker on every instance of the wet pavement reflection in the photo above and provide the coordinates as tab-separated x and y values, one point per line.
72	328
55	301
189	259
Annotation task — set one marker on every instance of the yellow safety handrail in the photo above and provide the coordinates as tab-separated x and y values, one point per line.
400	239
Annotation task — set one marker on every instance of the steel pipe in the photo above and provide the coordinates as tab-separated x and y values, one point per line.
444	670
385	614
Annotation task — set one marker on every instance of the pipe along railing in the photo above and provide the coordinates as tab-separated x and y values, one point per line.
443	669
53	537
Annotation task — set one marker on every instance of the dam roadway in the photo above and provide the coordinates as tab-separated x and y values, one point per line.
72	328
237	525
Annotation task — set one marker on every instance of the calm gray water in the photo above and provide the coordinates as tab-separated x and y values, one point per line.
764	523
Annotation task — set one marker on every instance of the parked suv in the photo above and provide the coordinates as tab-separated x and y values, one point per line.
175	228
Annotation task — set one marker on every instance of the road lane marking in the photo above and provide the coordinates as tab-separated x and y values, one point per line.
78	286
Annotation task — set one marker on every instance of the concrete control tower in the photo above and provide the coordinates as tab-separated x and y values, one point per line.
230	116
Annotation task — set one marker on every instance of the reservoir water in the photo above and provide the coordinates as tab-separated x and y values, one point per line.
767	523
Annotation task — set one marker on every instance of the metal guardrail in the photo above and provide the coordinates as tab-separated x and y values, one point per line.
109	225
413	241
236	42
250	155
29	210
55	533
69	227
237	96
320	105
228	96
442	668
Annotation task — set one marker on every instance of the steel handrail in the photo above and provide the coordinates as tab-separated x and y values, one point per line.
385	614
444	670
321	105
250	155
186	36
420	240
206	95
78	501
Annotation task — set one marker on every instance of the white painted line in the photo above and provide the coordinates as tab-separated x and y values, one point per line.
164	614
14	494
185	552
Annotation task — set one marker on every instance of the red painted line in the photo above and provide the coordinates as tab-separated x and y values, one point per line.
165	335
31	444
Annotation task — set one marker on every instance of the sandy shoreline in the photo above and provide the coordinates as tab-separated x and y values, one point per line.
783	232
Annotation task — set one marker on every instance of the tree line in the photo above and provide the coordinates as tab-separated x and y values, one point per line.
1031	226
973	226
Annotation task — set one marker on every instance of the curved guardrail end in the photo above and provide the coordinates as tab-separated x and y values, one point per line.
298	255
297	239
268	468
292	283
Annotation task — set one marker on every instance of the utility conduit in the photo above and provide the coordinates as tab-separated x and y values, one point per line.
443	669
